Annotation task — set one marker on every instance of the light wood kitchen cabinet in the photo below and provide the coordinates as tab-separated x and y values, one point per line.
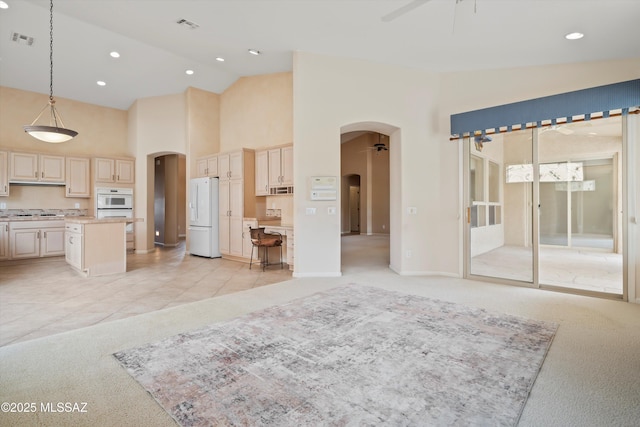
32	167
281	167
73	245
247	246
262	173
96	247
4	173
114	170
236	199
34	239
78	180
207	166
231	165
4	240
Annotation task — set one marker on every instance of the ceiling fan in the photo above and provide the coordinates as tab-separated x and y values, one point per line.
406	9
558	128
379	146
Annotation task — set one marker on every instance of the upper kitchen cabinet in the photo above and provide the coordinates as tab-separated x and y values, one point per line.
207	166
231	165
281	167
119	171
262	173
274	171
4	173
31	167
78	181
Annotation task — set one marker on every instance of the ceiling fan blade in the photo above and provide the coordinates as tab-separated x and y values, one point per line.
402	10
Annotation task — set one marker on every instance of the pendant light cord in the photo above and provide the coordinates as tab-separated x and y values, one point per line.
50	50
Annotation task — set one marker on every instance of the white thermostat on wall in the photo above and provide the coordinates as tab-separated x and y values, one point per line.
324	195
324	183
324	188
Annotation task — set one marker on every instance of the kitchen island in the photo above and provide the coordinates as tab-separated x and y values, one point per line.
97	247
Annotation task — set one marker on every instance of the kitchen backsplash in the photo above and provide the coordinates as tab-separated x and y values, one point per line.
42	212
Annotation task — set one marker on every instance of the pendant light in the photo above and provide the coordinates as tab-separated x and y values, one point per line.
55	132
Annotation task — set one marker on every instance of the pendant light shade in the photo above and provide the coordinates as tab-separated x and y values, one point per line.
55	132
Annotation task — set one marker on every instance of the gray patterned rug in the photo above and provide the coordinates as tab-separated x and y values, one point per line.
352	356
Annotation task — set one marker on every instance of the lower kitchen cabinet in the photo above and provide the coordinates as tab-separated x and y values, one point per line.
4	240
96	247
73	245
34	239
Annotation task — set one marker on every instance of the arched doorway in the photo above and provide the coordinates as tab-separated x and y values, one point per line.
169	198
368	162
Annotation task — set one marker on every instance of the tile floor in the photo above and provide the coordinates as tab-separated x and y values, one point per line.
41	297
596	270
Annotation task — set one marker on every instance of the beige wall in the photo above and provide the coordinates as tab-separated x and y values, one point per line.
203	125
101	130
332	93
157	126
257	112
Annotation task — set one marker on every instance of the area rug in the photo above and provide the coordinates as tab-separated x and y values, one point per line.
351	356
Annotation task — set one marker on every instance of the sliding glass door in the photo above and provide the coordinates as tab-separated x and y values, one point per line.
544	207
500	231
580	206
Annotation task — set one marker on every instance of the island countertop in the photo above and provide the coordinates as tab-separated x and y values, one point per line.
94	220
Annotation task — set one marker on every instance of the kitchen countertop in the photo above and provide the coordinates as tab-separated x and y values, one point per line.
94	220
35	218
273	223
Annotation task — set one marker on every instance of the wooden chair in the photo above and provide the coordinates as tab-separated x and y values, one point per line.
260	239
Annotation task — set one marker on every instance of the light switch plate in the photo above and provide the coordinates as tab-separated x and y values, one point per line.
331	210
311	211
412	210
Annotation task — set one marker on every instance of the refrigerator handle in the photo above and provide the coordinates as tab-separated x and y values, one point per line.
197	200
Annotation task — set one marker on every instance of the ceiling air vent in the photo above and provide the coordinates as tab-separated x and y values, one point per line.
187	24
21	39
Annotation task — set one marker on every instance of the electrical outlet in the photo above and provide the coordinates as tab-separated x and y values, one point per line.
409	254
311	211
331	210
3	205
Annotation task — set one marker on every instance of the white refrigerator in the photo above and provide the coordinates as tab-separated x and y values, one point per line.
203	217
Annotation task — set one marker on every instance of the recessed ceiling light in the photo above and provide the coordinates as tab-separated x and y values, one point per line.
219	59
115	54
254	52
3	5
574	36
189	72
101	83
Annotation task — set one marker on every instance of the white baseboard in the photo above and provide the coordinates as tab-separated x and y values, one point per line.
144	251
429	273
300	275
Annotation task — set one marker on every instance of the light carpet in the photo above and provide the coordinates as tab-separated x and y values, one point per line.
353	355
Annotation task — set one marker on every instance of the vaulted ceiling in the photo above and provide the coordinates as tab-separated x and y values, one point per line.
155	51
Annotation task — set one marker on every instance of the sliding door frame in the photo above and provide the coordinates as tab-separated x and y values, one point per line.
627	257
